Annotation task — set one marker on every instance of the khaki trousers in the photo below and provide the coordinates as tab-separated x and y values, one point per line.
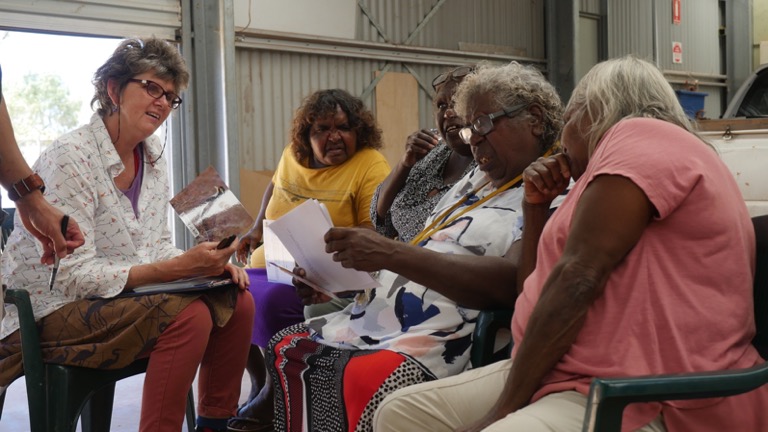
450	403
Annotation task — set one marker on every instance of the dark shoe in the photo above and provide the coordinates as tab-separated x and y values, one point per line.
245	424
207	429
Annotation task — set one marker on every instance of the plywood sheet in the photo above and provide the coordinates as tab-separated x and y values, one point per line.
397	112
252	186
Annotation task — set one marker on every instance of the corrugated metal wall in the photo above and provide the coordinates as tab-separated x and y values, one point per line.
272	83
702	52
630	25
631	31
590	6
697	31
507	23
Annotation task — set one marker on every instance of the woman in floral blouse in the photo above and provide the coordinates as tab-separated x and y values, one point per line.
110	176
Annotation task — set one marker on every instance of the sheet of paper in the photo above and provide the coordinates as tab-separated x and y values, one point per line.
304	280
301	231
277	255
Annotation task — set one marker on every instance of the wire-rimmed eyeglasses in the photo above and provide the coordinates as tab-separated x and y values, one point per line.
459	72
483	125
157	91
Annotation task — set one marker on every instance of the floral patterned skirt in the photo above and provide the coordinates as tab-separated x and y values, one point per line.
108	333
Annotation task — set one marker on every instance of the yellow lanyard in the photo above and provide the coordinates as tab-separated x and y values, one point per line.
434	227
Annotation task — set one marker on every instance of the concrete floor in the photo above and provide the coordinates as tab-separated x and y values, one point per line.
125	415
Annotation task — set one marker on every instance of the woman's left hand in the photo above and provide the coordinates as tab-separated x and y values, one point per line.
238	275
205	259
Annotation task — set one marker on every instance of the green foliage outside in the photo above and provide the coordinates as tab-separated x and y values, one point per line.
41	109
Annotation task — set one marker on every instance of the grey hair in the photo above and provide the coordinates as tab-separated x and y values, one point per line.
512	84
621	88
135	56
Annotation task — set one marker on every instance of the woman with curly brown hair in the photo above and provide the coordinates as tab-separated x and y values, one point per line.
332	158
110	176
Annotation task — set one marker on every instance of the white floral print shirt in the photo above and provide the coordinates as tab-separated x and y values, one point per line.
79	170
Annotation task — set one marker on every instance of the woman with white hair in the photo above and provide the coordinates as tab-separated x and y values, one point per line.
646	268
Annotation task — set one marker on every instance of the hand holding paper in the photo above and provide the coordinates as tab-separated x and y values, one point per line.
301	231
305	281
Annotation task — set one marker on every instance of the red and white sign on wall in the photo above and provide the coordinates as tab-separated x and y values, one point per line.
677	52
675	11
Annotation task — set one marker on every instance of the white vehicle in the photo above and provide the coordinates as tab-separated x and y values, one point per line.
741	137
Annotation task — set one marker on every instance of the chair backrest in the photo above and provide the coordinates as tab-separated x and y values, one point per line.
761	285
7	227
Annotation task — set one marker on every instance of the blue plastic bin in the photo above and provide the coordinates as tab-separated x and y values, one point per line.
691	101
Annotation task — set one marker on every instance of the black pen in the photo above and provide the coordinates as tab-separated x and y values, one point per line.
64	223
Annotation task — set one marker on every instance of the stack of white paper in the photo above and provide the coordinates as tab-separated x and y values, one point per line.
301	232
276	256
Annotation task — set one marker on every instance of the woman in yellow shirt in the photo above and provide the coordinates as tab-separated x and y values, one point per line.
333	159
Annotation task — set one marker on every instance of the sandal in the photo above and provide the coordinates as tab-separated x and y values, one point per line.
247	424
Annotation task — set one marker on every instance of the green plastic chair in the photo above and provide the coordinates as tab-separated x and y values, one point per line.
489	323
58	395
609	396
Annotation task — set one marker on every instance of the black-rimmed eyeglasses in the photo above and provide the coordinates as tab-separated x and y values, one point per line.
459	72
483	125
157	91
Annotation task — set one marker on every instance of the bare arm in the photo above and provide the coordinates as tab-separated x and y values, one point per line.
535	216
455	276
544	180
390	187
202	260
40	218
252	239
602	234
417	146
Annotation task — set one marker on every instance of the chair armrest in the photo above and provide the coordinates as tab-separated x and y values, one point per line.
609	396
489	322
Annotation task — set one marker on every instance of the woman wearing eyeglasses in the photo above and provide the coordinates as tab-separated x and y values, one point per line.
332	158
331	372
627	281
431	165
109	175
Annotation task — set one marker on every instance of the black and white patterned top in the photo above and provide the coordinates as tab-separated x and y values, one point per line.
412	205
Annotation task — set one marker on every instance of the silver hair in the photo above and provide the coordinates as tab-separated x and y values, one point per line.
621	88
512	84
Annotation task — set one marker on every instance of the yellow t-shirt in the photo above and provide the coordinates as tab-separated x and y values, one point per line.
346	189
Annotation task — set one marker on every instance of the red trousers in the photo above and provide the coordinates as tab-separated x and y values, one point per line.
190	341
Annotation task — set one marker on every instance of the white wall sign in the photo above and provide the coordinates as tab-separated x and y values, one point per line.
677	52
